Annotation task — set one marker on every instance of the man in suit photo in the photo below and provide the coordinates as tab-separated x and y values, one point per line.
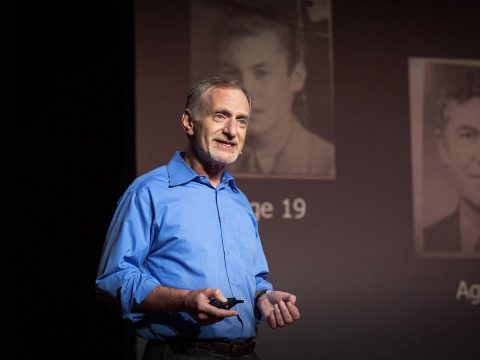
457	138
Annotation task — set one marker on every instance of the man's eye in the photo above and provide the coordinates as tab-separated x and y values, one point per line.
242	122
259	74
219	117
468	135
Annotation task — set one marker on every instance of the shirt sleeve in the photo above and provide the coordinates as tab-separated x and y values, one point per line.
262	271
121	273
261	278
261	264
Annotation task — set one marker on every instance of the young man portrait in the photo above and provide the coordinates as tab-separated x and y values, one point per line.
457	137
264	47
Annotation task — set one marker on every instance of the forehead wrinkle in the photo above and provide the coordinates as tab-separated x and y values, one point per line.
228	112
228	97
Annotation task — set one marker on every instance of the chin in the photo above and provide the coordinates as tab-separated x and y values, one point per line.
224	158
231	159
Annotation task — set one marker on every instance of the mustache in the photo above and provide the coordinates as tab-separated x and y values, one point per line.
225	141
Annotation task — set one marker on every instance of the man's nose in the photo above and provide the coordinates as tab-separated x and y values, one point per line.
231	128
477	153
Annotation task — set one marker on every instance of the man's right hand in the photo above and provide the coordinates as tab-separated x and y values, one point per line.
194	302
197	304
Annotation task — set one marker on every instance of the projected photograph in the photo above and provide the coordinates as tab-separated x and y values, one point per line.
445	134
281	51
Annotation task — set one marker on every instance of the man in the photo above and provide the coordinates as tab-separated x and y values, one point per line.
268	58
184	235
458	142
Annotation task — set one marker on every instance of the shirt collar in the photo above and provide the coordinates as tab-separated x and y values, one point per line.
228	178
180	173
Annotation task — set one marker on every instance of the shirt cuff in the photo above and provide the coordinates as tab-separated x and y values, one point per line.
145	287
258	314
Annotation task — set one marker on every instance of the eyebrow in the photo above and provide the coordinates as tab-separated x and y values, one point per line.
229	113
467	127
260	65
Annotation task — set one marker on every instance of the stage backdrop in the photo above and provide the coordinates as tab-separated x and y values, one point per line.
344	244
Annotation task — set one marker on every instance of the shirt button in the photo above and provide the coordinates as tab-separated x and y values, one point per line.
229	251
224	219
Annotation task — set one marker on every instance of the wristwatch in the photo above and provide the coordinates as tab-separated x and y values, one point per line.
261	293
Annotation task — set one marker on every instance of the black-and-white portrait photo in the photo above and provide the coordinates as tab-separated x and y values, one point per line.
281	51
445	123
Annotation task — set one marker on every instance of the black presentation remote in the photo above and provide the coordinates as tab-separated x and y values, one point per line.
231	302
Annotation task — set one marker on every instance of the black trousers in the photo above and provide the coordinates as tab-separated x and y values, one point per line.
183	351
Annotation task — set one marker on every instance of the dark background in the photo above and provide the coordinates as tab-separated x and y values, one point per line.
362	292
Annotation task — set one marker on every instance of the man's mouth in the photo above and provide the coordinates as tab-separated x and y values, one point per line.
226	145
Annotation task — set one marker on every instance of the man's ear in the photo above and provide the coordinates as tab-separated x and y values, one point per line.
187	122
442	146
298	76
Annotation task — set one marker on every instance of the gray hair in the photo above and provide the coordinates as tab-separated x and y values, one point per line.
197	91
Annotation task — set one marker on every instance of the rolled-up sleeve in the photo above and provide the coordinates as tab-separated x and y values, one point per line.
122	275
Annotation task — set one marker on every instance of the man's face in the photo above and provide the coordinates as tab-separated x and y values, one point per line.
260	62
220	125
459	146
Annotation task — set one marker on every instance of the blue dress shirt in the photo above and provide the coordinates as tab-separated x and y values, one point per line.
173	228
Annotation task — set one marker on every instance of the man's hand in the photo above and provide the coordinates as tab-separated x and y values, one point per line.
278	308
197	304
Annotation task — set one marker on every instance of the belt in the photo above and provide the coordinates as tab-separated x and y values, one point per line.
232	348
235	348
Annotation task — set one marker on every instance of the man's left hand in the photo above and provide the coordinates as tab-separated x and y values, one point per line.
278	308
